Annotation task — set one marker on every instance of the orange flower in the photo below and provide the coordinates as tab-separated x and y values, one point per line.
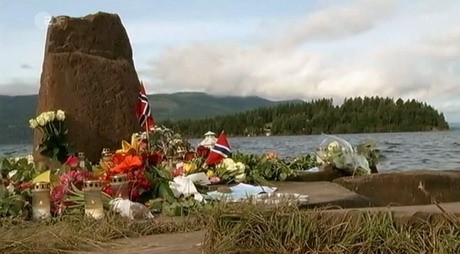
129	162
271	155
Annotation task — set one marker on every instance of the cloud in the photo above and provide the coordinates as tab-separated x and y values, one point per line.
337	22
26	66
426	67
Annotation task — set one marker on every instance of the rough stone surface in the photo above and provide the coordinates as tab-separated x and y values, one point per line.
317	176
89	73
402	188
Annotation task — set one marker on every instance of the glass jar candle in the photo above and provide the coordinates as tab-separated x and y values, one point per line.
82	159
92	190
106	155
119	185
41	200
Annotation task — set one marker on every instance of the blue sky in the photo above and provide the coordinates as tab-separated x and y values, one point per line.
272	48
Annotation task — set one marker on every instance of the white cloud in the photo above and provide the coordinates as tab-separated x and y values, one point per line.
338	22
426	67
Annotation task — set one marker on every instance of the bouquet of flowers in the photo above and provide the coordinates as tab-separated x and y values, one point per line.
227	171
54	142
341	155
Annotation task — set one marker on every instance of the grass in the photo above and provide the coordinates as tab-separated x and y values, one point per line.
244	228
75	232
287	230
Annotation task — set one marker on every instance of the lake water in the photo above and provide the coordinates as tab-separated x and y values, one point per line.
401	151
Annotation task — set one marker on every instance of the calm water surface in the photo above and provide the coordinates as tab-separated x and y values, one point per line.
401	151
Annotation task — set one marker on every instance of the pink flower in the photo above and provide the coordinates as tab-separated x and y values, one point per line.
214	179
77	177
178	171
58	193
72	161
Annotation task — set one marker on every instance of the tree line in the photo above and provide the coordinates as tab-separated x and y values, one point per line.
354	115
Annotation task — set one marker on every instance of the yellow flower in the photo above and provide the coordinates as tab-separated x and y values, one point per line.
128	148
189	167
210	174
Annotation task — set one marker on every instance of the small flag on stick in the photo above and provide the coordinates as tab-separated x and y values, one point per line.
143	110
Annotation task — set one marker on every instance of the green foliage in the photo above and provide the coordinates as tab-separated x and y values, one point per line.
357	115
18	170
260	169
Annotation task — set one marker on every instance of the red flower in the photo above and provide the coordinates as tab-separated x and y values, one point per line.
134	194
202	151
189	156
108	190
178	171
155	158
72	161
25	186
145	184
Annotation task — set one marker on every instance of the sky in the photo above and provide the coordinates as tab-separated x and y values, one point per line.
276	49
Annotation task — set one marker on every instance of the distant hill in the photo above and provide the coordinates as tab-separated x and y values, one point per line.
15	111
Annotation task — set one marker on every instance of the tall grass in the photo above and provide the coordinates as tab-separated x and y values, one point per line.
250	229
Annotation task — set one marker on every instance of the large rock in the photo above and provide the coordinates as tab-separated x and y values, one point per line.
89	73
402	188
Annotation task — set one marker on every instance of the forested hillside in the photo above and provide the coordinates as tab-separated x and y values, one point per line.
357	115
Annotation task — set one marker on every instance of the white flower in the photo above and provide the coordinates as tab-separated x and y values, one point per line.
10	188
46	117
33	123
60	115
41	120
240	166
52	115
333	146
240	178
229	164
30	159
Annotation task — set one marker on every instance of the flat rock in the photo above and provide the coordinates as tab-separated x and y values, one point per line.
402	188
324	194
88	72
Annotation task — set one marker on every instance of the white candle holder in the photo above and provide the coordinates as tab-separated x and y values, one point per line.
41	200
119	185
92	190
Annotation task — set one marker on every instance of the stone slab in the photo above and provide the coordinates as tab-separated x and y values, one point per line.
402	188
323	194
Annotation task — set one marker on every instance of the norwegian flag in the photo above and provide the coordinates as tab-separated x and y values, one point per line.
220	151
143	110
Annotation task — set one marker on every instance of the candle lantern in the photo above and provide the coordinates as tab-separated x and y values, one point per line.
82	159
41	200
92	190
106	155
120	188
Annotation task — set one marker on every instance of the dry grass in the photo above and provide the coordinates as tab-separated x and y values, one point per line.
244	228
75	232
253	230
